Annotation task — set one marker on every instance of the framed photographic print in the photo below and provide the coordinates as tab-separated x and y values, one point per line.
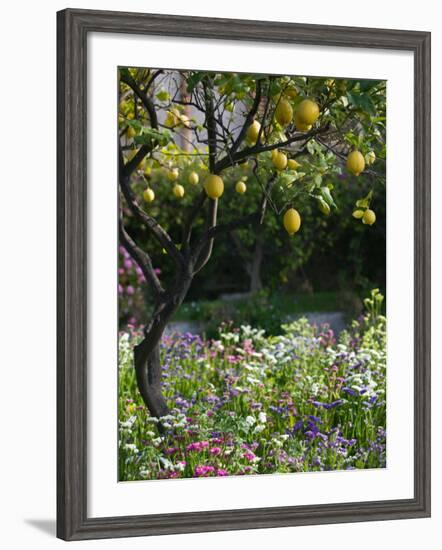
243	274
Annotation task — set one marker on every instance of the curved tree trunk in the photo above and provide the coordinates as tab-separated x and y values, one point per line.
147	353
148	373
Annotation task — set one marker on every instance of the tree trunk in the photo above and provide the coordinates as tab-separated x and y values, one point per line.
147	353
255	267
148	373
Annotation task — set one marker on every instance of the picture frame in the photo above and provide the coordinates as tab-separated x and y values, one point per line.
73	27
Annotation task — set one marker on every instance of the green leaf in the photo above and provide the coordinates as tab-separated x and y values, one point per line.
153	138
163	95
365	202
194	79
362	102
327	196
317	179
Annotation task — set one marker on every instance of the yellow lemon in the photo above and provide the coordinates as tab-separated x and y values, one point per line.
241	187
301	126
214	186
130	132
370	158
358	214
308	111
284	112
355	162
178	191
172	175
193	178
369	217
292	221
293	164
274	153
147	170
253	132
291	92
149	195
280	161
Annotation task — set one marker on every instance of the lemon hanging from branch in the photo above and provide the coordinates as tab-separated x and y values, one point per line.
284	112
293	164
253	132
214	186
301	126
279	161
178	191
193	178
292	221
149	195
307	112
241	187
369	217
172	175
355	162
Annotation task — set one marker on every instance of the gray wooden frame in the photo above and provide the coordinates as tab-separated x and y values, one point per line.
73	27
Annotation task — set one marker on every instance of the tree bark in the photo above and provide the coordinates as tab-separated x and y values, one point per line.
147	358
255	267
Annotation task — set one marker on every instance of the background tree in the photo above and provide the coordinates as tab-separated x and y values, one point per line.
189	139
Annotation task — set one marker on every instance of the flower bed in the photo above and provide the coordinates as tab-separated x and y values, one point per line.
247	403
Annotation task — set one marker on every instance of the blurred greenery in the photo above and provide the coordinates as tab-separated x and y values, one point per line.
333	260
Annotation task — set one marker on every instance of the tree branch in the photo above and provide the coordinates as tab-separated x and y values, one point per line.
142	259
210	124
228	160
155	228
187	228
145	99
249	119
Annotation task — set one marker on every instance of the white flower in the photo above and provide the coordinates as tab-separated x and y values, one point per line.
259	428
262	417
131	447
250	420
128	423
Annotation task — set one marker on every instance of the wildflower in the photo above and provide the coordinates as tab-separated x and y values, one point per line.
203	471
250	421
131	447
215	451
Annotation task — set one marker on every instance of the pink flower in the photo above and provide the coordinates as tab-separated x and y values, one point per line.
170	450
249	456
130	290
127	264
220	472
204	471
215	451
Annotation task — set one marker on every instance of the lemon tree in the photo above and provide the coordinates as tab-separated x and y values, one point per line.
190	140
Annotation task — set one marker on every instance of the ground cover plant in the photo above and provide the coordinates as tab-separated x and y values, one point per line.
247	403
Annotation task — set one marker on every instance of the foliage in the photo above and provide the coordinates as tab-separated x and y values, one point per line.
352	115
247	403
